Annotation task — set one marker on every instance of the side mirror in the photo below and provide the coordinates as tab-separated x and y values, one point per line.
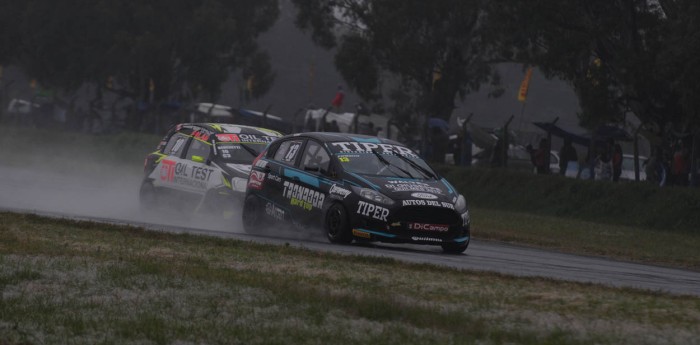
198	159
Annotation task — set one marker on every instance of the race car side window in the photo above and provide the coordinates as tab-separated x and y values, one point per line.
288	151
175	145
199	148
315	157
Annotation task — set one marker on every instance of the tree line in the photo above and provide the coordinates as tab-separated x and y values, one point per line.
621	56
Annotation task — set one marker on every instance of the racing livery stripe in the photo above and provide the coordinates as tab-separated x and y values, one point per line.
366	140
308	179
461	239
351	182
449	187
377	233
299	173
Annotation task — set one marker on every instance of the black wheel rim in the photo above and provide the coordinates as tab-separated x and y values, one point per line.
334	221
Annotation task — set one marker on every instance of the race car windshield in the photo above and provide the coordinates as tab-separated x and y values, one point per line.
385	161
238	153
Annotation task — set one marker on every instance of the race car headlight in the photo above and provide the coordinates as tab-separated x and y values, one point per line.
373	195
461	204
238	184
466	219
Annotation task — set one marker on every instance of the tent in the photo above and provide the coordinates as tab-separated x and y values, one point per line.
602	133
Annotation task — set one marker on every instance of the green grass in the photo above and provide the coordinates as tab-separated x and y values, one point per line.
639	205
81	282
582	237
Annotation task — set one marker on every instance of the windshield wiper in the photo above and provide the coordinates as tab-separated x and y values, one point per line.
415	165
387	163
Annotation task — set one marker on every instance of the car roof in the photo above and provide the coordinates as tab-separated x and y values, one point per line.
220	128
335	137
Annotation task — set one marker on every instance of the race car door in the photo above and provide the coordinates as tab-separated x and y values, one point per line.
284	162
193	174
315	162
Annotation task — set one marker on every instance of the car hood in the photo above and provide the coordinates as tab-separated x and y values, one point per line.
404	189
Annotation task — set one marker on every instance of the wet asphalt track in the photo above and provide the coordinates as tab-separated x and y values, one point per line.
113	200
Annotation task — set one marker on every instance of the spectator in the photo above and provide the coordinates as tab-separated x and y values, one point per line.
539	156
567	154
617	162
679	167
655	170
337	101
333	127
603	164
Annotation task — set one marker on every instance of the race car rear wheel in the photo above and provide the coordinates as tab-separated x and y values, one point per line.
455	248
253	216
148	199
337	224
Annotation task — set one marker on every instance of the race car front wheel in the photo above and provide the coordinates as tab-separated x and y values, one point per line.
253	215
337	224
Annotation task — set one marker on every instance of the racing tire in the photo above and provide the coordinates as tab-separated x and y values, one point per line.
253	215
148	199
337	225
455	248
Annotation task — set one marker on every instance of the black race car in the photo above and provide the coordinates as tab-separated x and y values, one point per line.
356	187
202	167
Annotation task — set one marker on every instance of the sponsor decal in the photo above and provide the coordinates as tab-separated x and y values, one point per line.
370	210
256	179
201	135
424	196
419	238
359	233
339	192
428	203
167	170
184	174
292	152
274	177
245	138
412	186
261	163
228	138
352	146
429	227
177	146
273	211
301	196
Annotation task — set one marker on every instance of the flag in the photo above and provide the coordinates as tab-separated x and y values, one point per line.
522	94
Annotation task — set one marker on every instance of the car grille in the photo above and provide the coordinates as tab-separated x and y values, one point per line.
433	215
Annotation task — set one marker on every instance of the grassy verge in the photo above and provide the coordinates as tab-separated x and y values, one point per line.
639	205
76	282
582	237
